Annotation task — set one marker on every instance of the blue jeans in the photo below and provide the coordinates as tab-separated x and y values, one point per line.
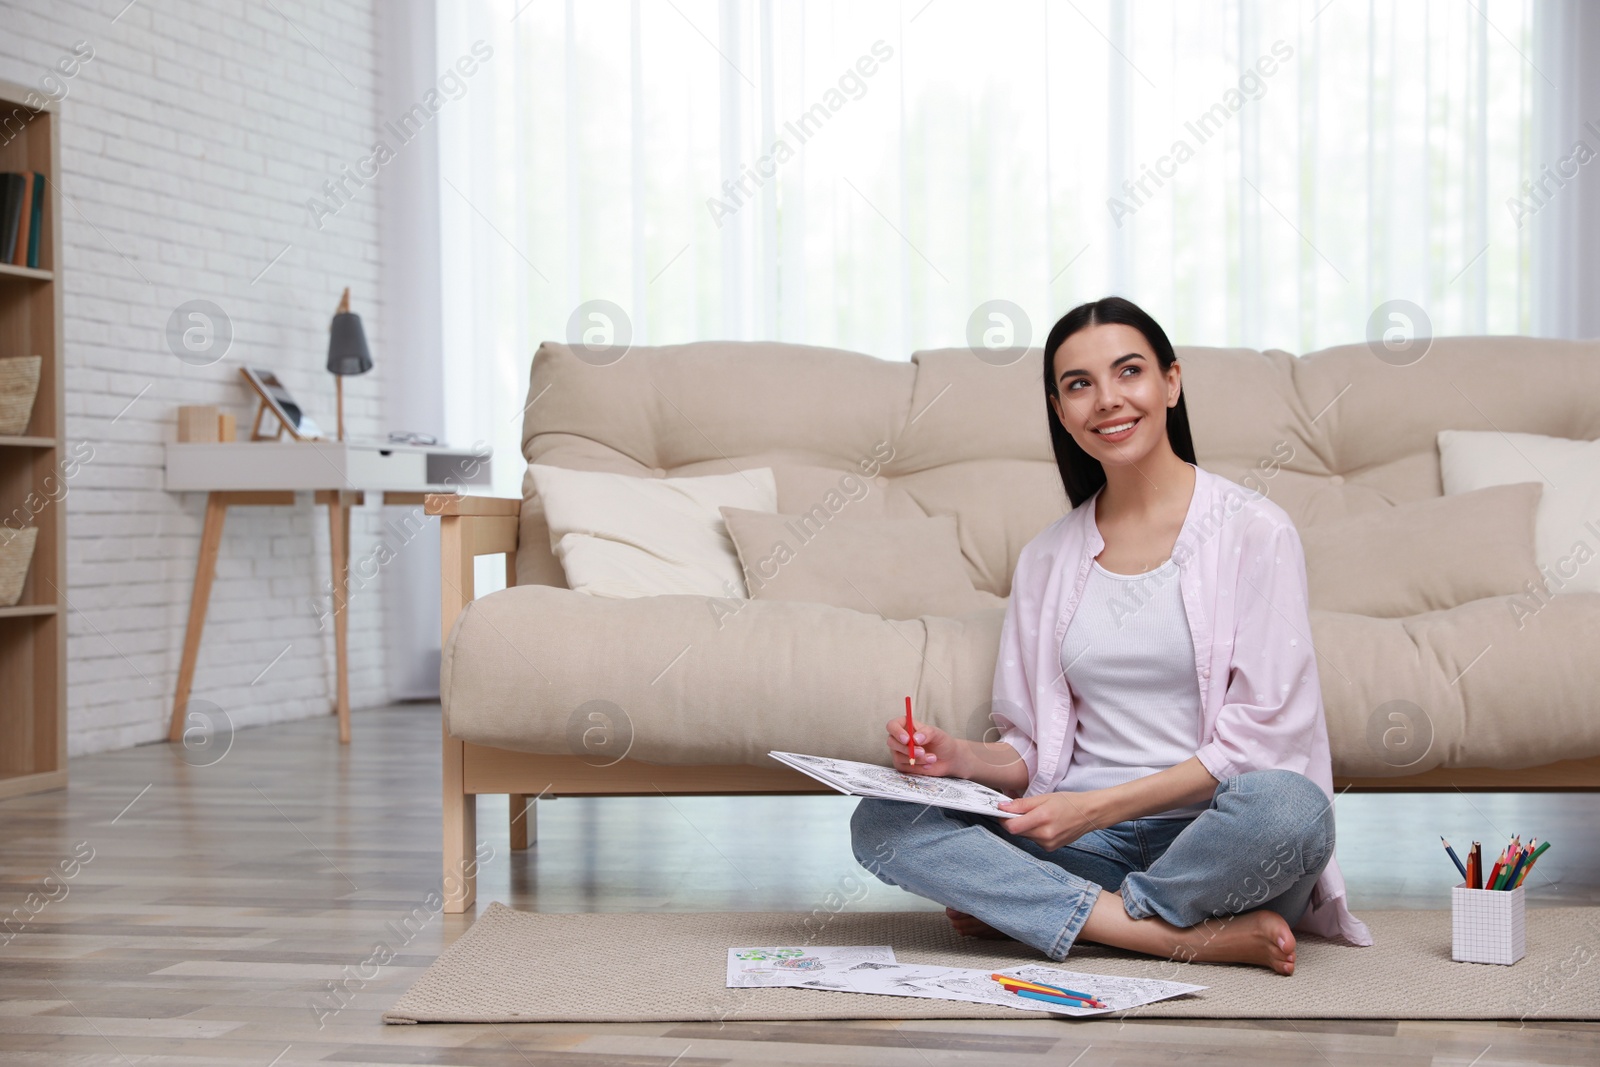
1263	842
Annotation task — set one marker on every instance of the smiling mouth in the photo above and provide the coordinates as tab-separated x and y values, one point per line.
1122	429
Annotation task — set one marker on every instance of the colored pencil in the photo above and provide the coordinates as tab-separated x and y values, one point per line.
1455	859
1534	859
1068	992
1514	854
1040	986
1524	855
1006	979
911	736
1066	1002
1013	987
1493	881
1516	871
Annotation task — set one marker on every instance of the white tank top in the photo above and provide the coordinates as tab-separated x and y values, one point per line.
1129	661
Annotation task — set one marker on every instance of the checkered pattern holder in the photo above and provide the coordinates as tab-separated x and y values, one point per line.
1487	925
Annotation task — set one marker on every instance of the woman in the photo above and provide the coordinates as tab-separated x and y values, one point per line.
1157	697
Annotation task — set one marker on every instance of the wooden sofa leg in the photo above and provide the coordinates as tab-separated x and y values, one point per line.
469	527
460	858
524	821
460	834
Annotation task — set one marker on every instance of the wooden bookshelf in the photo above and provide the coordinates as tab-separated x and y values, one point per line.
33	633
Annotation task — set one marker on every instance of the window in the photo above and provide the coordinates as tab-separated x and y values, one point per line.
869	175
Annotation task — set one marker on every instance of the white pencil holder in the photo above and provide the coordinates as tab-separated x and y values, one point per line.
1487	925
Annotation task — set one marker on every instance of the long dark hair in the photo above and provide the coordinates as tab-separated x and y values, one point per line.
1081	473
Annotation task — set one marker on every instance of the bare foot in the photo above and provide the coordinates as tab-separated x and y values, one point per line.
1260	937
967	926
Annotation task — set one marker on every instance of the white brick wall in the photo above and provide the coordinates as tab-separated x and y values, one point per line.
191	142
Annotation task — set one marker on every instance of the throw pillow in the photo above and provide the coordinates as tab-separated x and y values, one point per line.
896	568
840	494
1425	556
619	536
1566	543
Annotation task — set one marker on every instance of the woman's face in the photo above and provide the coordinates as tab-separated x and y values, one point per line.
1106	378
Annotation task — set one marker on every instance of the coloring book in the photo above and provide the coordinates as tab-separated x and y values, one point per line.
871	780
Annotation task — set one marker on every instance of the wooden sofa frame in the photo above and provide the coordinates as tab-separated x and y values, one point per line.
473	526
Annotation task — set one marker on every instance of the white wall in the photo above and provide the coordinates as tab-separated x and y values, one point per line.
193	140
415	386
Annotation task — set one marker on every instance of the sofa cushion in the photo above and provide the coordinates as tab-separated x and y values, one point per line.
893	568
701	680
618	536
1425	556
1502	682
1567	540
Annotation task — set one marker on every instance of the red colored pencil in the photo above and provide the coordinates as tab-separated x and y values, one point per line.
911	737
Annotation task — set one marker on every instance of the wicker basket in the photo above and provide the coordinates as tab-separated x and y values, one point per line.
19	384
16	552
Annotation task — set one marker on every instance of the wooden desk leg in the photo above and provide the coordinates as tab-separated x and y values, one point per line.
205	569
339	540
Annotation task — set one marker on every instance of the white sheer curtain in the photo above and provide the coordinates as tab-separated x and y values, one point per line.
866	175
1566	229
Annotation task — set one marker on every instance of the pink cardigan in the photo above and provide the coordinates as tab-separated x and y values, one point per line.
1243	580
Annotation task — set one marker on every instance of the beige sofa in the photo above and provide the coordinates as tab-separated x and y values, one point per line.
549	692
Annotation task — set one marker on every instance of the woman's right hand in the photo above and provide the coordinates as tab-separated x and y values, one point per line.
937	753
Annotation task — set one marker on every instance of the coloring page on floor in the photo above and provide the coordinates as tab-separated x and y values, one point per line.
751	968
874	969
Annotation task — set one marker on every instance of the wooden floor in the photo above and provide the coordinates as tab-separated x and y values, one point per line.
229	911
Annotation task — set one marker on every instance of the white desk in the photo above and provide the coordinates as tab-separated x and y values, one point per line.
270	473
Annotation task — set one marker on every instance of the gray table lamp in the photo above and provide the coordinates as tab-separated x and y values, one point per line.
347	350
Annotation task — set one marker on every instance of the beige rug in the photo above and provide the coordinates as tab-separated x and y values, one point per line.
513	966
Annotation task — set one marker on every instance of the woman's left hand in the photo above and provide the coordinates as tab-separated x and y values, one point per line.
1053	820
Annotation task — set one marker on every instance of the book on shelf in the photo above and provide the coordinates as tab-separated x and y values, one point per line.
24	219
38	219
11	186
21	217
